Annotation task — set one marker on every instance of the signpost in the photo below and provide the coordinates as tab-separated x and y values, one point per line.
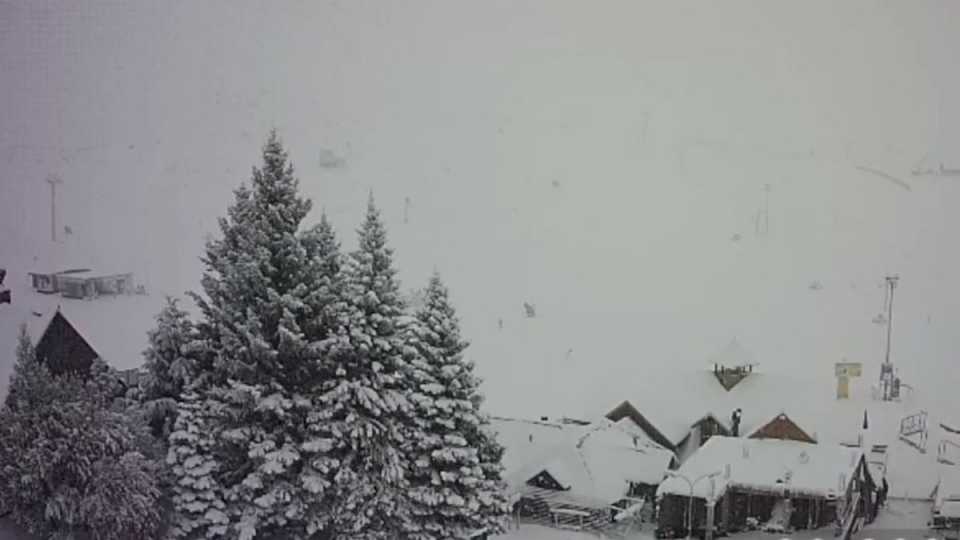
915	424
844	372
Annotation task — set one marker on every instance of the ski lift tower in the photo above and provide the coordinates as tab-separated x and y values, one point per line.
886	369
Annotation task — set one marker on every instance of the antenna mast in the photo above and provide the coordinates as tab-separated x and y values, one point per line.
886	369
53	180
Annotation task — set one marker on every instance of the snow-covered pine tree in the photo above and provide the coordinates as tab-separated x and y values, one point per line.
265	295
169	366
324	258
359	424
198	496
455	469
69	462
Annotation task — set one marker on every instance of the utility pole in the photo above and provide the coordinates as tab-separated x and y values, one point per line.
53	180
886	370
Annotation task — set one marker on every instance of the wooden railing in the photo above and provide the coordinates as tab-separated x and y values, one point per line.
850	517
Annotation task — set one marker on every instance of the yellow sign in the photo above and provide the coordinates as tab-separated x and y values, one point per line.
848	369
843	387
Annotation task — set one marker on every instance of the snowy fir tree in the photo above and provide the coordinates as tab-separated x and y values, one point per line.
361	422
454	470
70	463
325	263
267	293
169	366
192	457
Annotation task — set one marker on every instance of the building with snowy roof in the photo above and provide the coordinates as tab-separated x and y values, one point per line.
82	283
683	410
784	484
70	332
590	473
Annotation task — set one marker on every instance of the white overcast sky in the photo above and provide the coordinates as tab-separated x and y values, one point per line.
595	159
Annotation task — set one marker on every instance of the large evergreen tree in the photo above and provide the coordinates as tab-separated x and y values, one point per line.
455	468
359	424
267	286
70	460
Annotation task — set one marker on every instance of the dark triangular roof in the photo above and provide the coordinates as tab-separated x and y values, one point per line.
63	348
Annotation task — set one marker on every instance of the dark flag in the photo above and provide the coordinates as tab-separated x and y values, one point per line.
5	296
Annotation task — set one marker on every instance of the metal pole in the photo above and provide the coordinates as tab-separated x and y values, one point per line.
892	284
708	526
53	180
53	211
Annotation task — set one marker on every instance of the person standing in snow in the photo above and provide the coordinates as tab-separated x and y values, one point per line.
884	489
735	422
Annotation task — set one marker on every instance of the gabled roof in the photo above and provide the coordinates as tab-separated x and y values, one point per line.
596	462
114	326
765	464
674	401
781	427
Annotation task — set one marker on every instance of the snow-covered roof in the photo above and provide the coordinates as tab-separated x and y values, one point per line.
766	464
526	440
674	401
115	326
595	462
674	404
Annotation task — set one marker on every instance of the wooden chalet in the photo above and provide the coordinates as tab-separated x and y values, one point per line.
65	349
774	484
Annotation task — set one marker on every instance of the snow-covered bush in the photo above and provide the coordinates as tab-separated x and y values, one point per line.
70	460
